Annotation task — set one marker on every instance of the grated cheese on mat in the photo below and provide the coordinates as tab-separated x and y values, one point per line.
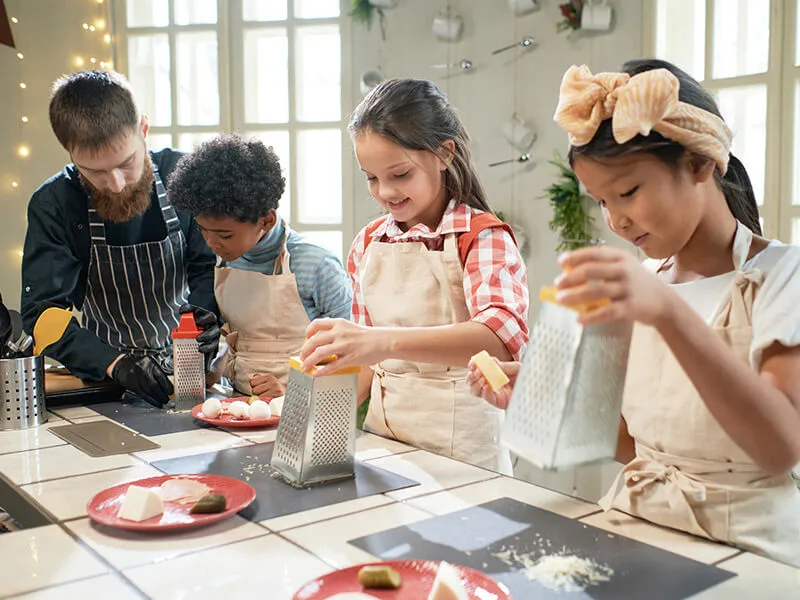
560	572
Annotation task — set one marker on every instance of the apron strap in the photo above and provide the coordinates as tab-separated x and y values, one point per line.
167	210
282	261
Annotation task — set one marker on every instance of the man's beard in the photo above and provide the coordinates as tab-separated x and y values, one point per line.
127	204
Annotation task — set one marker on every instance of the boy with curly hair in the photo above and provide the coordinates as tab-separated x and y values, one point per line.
270	282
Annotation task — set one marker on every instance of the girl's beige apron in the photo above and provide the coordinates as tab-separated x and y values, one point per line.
688	473
426	405
265	319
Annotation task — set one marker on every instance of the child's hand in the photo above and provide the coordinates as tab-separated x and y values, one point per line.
351	345
479	386
600	272
263	384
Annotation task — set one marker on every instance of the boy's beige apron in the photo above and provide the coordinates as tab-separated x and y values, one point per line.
688	473
426	405
265	318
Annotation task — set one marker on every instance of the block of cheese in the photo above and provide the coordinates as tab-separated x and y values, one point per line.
447	585
491	371
140	504
548	294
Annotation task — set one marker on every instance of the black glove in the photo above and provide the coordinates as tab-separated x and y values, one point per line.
208	340
144	378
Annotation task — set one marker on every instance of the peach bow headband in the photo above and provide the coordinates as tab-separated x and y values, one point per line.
647	101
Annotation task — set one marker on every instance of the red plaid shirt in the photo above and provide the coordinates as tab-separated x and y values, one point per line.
495	279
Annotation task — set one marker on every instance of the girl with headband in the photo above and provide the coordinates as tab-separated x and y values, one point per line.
711	426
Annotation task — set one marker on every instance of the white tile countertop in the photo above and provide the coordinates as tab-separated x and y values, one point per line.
237	558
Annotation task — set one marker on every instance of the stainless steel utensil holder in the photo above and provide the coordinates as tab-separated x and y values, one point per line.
22	401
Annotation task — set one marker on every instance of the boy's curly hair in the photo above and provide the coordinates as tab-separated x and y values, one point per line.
228	176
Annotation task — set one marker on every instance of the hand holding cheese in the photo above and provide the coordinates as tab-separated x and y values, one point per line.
140	504
483	375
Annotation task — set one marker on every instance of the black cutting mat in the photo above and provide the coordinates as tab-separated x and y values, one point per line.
274	497
147	419
473	536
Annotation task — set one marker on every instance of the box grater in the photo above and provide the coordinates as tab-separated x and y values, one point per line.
317	432
189	365
22	393
566	405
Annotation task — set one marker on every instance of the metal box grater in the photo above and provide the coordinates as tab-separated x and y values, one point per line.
317	432
566	405
22	393
189	365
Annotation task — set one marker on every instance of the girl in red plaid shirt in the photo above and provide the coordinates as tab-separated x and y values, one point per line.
436	280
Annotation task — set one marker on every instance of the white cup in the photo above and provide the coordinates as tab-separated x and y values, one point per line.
383	3
448	26
369	80
523	7
596	15
518	133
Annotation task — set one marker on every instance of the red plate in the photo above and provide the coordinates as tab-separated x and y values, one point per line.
228	421
105	505
417	580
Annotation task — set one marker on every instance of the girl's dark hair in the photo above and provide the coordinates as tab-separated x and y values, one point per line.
415	114
735	184
228	176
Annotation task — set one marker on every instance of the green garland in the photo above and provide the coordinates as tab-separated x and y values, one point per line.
571	219
362	12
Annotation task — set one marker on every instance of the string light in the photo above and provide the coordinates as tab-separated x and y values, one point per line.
14	20
85	26
23	85
14	184
78	61
107	38
100	23
20	55
24	119
91	27
23	151
93	60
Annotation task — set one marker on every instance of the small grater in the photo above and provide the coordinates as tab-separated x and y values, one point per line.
317	432
566	405
189	365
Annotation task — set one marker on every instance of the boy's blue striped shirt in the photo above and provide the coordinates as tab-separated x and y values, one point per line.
322	282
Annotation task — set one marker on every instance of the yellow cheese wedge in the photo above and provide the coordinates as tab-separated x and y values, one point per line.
140	504
447	585
548	294
491	371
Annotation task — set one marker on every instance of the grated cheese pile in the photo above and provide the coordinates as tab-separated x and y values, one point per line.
560	572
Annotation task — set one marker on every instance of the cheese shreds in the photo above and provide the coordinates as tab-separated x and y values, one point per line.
560	572
182	491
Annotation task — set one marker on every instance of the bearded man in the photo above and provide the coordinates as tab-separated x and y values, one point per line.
103	238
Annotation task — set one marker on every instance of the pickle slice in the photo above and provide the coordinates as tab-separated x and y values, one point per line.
210	503
379	576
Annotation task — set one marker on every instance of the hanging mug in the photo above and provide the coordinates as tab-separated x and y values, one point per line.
596	15
448	26
523	7
383	3
518	133
370	80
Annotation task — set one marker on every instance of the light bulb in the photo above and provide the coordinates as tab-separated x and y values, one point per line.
14	20
22	85
100	24
107	38
14	184
24	119
20	253
91	27
20	55
78	61
93	60
23	151
85	26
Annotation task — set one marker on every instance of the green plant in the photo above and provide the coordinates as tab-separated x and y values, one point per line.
571	219
362	12
571	11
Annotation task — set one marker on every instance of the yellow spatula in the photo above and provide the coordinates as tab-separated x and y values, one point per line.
49	327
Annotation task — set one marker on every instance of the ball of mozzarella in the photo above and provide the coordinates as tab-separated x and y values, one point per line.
260	410
211	408
240	410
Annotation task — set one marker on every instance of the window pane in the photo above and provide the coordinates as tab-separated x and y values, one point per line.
319	73
316	9
745	110
198	78
795	231
259	10
266	76
148	71
796	195
157	141
797	35
148	13
189	141
681	34
319	176
189	12
279	140
741	37
330	240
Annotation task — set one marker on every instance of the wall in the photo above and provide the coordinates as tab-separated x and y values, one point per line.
525	82
51	37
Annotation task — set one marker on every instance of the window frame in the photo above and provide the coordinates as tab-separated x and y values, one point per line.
230	29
